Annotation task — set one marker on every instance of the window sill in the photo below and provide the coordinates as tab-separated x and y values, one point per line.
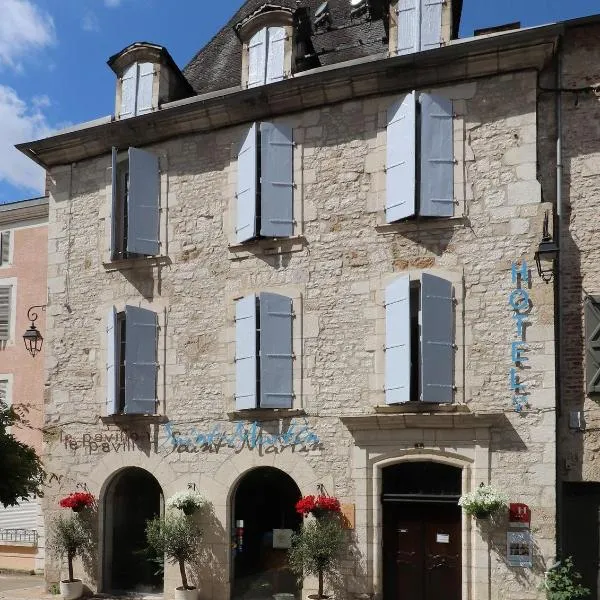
267	246
265	414
423	223
4	544
421	407
123	264
123	418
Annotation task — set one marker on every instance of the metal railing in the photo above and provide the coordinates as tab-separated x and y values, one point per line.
27	536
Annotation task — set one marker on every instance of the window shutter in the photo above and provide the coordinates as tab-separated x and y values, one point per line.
275	54
246	187
431	24
276	180
397	341
129	91
437	157
257	58
401	165
5	299
141	339
437	339
142	203
592	344
4	391
408	18
114	213
245	353
112	363
4	247
275	351
144	92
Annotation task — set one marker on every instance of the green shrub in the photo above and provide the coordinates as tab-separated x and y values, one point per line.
68	537
562	582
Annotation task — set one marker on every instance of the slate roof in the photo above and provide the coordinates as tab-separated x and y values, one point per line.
218	65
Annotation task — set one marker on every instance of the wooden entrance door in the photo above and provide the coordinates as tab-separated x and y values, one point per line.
422	551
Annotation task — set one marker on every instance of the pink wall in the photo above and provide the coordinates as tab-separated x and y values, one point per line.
29	265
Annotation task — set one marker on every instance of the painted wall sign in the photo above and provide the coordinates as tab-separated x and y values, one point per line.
106	441
520	303
244	435
519	551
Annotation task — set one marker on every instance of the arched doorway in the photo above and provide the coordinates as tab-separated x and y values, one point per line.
264	516
132	498
421	531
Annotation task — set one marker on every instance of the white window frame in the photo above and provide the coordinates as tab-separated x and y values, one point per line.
11	281
8	377
11	242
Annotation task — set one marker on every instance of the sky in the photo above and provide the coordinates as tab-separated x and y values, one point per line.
53	54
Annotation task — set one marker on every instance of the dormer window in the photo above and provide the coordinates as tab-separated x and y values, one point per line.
266	56
267	38
147	77
136	90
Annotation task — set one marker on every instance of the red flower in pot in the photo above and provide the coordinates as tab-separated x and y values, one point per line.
318	506
77	501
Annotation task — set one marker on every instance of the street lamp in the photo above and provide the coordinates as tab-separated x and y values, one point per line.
32	337
546	253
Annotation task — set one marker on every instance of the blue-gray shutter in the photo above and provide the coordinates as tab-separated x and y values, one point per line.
257	58
114	213
437	157
143	216
275	54
129	82
246	187
592	344
245	353
112	363
397	341
277	180
437	339
401	163
5	302
409	31
143	103
141	345
5	247
431	24
275	351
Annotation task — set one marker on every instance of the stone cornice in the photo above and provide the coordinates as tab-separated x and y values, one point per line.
377	75
21	213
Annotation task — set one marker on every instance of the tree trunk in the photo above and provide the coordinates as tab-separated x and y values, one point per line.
183	575
70	563
320	584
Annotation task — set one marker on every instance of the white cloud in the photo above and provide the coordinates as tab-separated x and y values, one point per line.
112	3
41	101
19	123
23	28
90	22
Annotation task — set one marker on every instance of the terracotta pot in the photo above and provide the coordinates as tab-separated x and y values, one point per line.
71	590
181	594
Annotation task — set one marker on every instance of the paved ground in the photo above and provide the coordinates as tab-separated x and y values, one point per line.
22	587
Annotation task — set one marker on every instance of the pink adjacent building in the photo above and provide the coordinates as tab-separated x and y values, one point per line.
23	276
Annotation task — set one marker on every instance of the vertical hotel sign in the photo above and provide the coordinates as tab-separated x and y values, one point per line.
519	302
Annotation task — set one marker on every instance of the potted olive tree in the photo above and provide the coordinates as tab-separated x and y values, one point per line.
316	547
69	538
177	537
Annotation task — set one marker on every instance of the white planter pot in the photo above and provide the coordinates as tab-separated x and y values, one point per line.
71	590
181	594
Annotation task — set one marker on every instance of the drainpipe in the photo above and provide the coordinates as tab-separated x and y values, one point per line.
558	292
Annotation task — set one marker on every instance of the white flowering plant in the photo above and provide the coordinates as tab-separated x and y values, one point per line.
483	502
189	501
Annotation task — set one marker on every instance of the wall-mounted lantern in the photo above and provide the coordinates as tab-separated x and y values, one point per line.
546	254
32	337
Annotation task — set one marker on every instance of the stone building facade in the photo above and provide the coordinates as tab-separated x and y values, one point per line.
483	405
23	265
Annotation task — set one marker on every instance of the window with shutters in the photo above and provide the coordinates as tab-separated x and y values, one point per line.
264	351
592	344
267	56
265	183
5	391
131	361
420	157
419	340
418	25
135	204
5	250
137	84
7	292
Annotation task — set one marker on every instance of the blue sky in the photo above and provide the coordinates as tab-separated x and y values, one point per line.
53	56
